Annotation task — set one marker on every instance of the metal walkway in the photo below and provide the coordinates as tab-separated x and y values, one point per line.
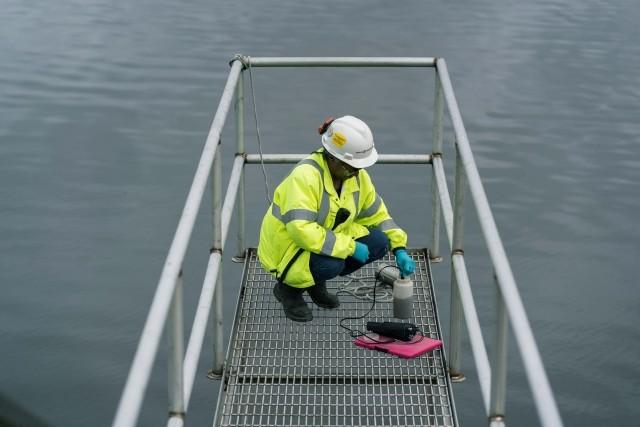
282	373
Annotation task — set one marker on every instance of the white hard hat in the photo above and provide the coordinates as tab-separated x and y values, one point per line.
349	139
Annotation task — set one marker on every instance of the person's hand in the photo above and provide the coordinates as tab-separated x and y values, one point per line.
404	262
361	254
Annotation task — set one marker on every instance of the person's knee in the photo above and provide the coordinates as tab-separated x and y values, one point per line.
378	243
325	267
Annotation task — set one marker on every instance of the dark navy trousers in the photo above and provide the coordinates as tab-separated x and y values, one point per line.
325	267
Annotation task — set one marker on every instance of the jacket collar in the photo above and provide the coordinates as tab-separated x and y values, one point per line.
349	186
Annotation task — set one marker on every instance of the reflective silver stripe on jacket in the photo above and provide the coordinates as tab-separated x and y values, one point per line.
356	200
324	208
356	196
387	225
293	214
312	163
371	209
329	243
323	212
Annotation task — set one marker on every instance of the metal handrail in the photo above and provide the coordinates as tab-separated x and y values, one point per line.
339	62
138	379
404	159
167	302
538	381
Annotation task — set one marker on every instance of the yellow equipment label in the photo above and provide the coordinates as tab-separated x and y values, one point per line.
339	139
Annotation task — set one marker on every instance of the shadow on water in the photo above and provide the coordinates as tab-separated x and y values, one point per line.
13	415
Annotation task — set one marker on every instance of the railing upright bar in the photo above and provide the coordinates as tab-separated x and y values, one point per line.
499	359
240	149
463	295
201	318
455	333
479	350
140	371
443	197
231	195
459	188
538	381
175	421
456	249
437	152
200	325
176	351
216	320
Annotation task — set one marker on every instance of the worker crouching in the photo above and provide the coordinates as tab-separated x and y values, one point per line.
326	220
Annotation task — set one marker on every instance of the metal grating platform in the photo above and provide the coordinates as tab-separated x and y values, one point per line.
283	373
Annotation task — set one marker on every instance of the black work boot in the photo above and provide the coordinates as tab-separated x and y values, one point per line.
295	308
322	297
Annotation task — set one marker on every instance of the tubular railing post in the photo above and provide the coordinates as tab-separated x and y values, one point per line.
240	254
499	359
455	372
175	334
437	151
458	231
218	339
216	185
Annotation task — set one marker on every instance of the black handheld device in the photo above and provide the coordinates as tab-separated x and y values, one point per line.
397	330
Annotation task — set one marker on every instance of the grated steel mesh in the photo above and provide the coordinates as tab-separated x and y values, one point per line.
283	373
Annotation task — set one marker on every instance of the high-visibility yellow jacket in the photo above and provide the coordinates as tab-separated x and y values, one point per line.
302	216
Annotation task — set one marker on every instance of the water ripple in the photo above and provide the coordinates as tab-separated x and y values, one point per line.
104	107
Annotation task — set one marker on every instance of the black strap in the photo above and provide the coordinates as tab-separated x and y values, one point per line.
297	254
341	217
289	264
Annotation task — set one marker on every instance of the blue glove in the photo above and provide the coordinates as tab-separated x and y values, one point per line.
361	254
404	262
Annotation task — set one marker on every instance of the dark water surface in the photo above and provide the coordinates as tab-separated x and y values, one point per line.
105	106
